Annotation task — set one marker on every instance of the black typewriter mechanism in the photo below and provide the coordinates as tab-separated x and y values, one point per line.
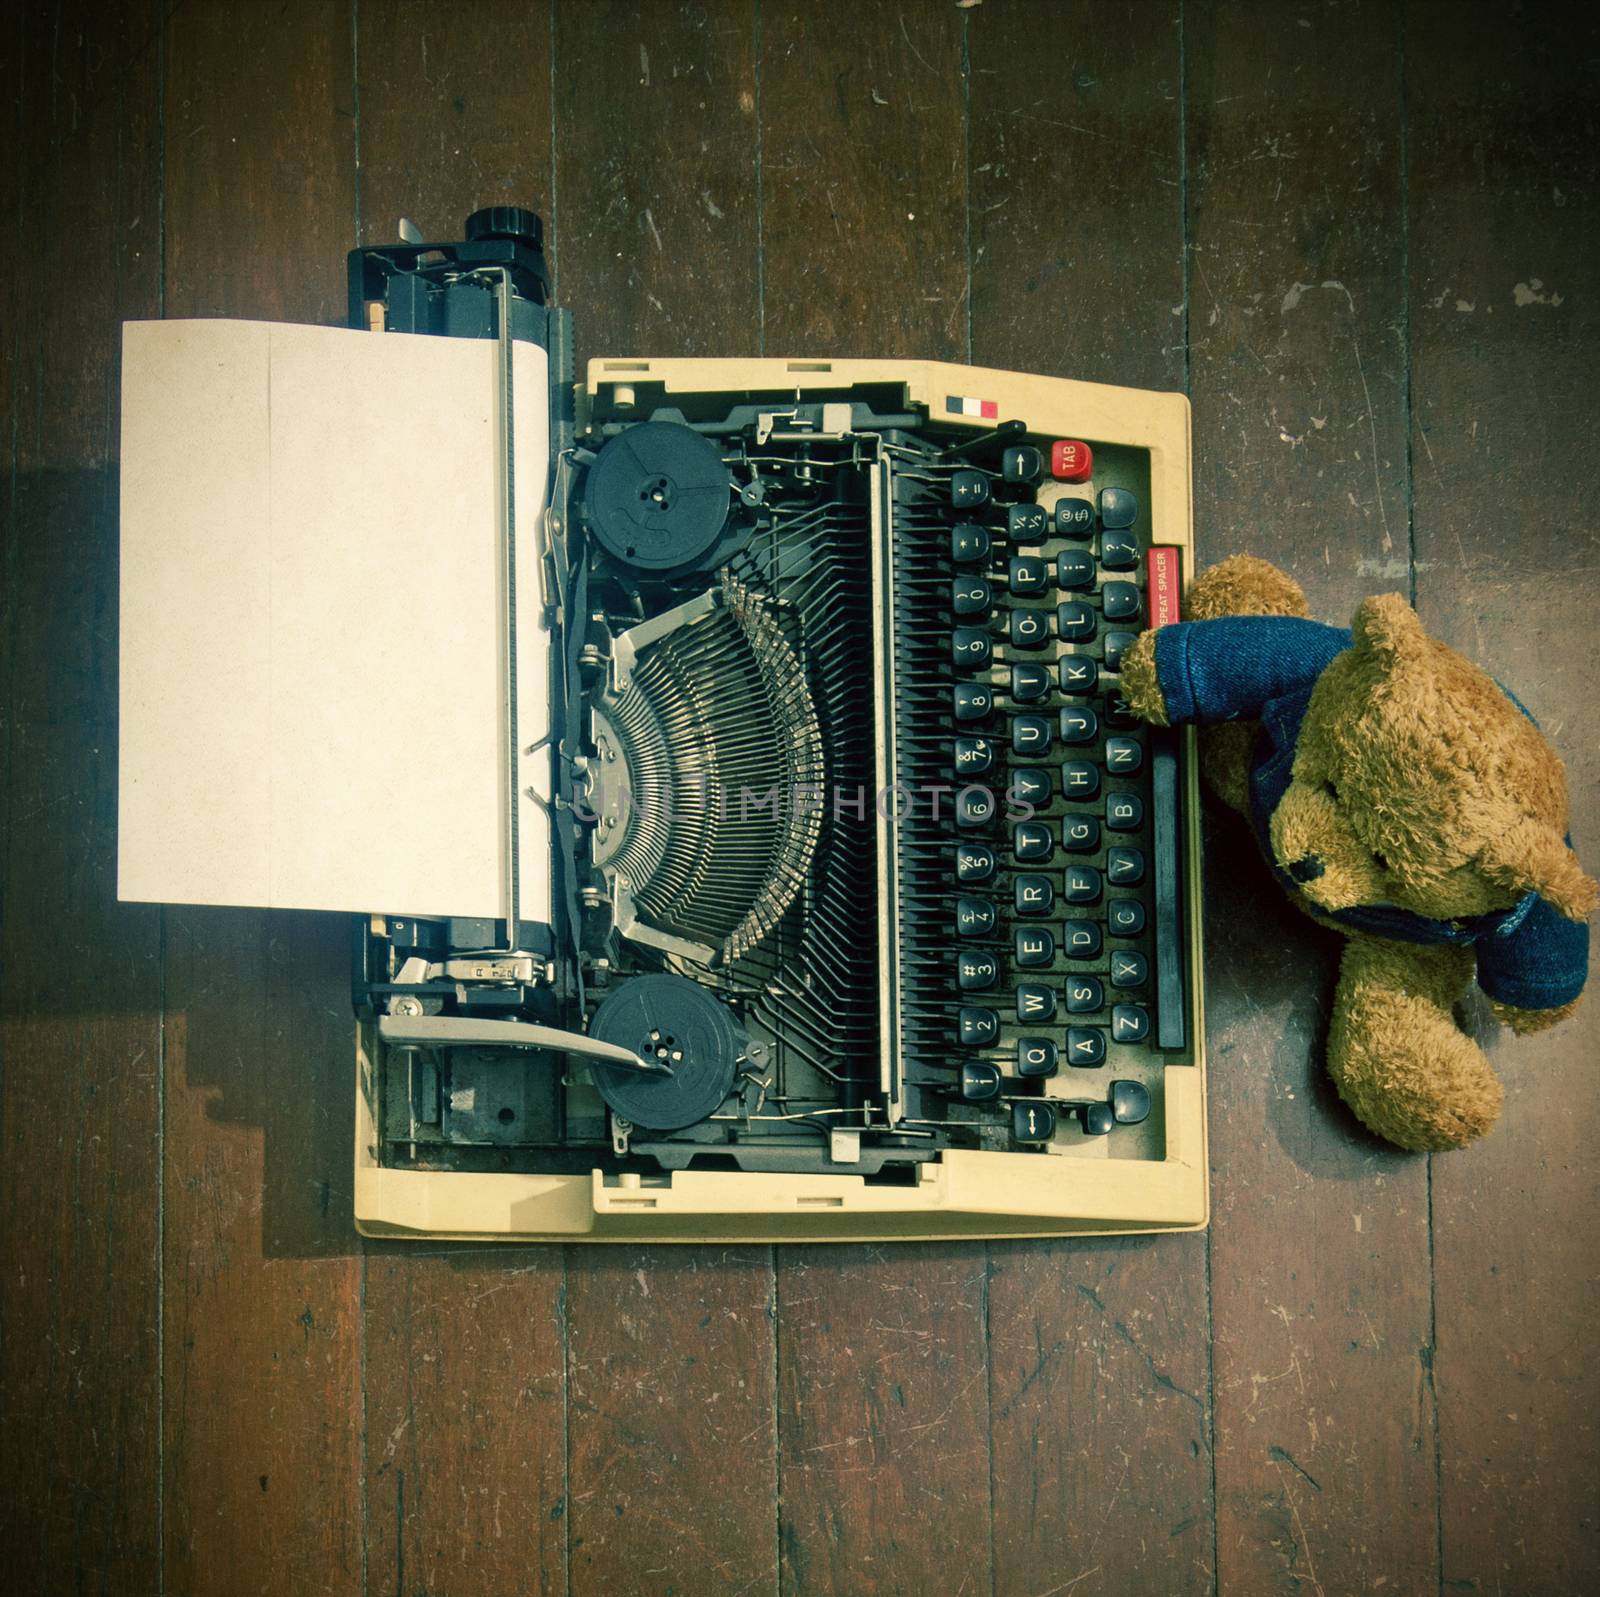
825	670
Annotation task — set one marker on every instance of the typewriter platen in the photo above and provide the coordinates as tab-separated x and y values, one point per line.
874	914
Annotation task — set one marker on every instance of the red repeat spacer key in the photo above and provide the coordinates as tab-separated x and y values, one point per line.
1166	584
1071	461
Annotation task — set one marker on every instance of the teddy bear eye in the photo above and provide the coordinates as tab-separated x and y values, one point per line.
1380	861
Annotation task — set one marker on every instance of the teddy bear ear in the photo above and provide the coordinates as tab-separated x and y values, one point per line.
1386	624
1531	856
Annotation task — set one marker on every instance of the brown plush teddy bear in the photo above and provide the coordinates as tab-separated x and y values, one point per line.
1401	796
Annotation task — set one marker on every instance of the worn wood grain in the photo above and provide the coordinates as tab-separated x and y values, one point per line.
1504	182
671	1435
262	1425
1100	1368
864	184
1320	1291
670	1388
883	1413
453	116
465	1359
1297	308
883	1401
465	1382
1077	190
79	973
883	1407
657	217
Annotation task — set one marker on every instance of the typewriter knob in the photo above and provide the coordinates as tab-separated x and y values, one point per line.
505	221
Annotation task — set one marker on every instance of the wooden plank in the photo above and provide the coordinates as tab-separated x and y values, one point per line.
465	1353
455	113
1077	214
670	1355
466	1428
1297	294
1099	1390
1320	1293
262	1427
883	1399
1504	184
260	158
670	1398
863	195
884	1413
655	118
79	973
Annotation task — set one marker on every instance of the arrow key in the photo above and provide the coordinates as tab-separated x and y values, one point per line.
1033	1120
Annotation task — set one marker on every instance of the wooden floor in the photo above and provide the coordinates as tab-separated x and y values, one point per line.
1363	237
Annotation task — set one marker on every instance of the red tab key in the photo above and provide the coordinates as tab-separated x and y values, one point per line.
1071	461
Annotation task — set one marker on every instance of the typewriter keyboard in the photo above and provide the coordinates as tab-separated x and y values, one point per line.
1063	970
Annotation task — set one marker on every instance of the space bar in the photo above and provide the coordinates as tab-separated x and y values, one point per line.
1165	819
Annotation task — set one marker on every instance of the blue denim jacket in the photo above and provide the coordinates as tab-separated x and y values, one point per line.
1263	668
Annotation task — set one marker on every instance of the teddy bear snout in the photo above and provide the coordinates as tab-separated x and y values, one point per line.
1319	851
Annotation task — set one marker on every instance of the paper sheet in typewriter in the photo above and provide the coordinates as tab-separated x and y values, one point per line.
311	703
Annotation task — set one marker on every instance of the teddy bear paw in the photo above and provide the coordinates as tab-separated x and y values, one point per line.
1140	686
1396	1054
1244	585
1526	1021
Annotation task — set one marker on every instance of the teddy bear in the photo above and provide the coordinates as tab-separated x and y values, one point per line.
1401	796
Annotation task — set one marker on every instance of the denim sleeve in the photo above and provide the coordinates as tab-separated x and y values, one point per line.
1543	964
1227	669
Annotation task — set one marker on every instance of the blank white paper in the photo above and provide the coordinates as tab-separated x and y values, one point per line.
311	631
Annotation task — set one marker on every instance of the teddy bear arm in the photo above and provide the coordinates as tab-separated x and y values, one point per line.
1227	669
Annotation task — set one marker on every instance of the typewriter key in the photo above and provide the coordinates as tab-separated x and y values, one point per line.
1033	1120
1036	1057
1071	460
968	488
1098	1119
1118	509
1130	1102
980	1081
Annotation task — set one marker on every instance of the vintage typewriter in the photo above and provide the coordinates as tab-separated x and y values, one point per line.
864	908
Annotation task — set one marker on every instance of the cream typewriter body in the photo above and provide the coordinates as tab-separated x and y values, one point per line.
815	885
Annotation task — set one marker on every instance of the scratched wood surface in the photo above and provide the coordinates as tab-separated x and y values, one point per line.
1504	189
1362	237
80	979
1325	1471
